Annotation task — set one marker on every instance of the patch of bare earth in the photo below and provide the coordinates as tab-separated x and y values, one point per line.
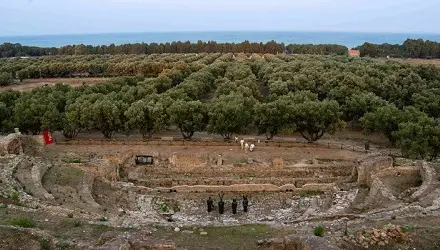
30	84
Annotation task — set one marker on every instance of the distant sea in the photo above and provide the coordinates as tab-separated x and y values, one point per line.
349	39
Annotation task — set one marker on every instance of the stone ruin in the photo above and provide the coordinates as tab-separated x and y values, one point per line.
16	144
293	193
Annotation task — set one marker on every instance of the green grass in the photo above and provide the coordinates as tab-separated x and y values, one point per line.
76	223
242	237
319	231
63	245
164	208
72	160
23	222
309	193
15	197
65	176
44	245
405	228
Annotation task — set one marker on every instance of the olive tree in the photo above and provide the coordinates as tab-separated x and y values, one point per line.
189	116
230	114
315	118
273	116
419	139
147	117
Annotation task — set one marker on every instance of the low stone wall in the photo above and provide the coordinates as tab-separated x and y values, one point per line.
37	172
370	165
386	185
430	183
86	190
185	162
248	188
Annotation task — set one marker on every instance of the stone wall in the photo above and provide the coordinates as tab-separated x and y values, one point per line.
11	144
370	165
248	188
185	162
430	183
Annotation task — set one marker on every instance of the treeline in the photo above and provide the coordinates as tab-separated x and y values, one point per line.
272	47
312	95
411	48
104	66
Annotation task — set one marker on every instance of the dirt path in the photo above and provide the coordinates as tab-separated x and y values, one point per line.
30	84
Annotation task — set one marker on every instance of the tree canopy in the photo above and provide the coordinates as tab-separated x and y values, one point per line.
229	94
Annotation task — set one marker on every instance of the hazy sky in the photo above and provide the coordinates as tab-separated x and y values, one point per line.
30	17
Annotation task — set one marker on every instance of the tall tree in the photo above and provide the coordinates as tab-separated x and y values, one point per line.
106	117
419	139
147	117
315	118
273	116
386	119
189	116
230	114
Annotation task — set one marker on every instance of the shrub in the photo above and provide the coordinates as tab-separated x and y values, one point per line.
164	207
103	218
23	222
405	228
63	245
15	197
5	78
319	231
44	244
77	223
22	74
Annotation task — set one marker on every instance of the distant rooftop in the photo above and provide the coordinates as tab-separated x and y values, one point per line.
354	52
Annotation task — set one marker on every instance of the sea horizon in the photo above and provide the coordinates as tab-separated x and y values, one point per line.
349	39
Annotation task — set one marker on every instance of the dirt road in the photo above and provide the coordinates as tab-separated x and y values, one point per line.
30	84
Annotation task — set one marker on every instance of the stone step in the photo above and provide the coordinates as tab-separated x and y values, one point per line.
169	182
251	173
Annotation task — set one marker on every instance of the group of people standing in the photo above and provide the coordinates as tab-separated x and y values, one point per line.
221	205
246	146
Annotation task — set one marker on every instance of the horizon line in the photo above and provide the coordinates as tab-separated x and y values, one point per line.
222	31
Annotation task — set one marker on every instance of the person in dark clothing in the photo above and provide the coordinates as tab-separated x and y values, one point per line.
245	204
221	207
210	204
234	206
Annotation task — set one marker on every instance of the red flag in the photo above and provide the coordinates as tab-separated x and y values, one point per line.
47	137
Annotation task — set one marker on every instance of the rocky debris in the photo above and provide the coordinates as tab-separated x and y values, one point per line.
380	237
129	241
11	144
176	229
408	192
203	233
297	242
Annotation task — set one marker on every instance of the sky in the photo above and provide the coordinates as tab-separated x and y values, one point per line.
38	17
